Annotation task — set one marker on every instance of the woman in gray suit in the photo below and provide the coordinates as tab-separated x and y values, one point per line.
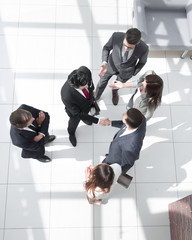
148	93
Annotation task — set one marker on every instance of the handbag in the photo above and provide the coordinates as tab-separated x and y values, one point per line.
124	180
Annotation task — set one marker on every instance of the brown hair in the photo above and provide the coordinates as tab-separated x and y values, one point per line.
20	118
133	36
154	89
101	176
134	118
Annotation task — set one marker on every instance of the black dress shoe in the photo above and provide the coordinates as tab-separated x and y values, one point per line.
44	158
115	98
51	138
73	139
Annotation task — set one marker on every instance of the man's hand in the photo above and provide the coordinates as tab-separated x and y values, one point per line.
116	85
38	137
103	69
41	118
104	122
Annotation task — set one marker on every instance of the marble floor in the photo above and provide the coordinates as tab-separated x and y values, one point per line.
41	42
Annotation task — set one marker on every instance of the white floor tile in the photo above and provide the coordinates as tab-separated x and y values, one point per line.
182	130
183	159
79	25
1	234
32	234
184	190
27	170
105	24
123	201
116	233
37	20
68	205
35	52
31	79
151	233
156	164
9	19
74	2
4	150
3	189
5	124
7	86
174	62
8	49
28	206
159	127
180	88
69	163
73	233
152	203
71	54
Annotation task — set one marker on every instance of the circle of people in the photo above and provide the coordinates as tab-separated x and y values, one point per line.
124	55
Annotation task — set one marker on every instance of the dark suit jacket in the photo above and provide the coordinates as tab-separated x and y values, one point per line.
77	105
24	138
125	150
124	70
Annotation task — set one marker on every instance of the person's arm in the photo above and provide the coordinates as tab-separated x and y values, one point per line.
105	56
142	61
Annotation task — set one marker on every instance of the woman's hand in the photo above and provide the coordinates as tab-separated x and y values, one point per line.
116	85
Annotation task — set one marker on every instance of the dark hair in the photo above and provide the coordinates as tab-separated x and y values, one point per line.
134	118
133	36
20	118
101	176
80	77
154	89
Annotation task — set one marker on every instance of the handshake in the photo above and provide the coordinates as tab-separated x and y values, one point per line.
104	122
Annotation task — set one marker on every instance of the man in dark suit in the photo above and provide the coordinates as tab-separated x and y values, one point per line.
77	96
128	56
127	142
29	131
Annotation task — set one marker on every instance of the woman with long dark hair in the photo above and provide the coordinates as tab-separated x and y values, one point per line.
148	93
99	181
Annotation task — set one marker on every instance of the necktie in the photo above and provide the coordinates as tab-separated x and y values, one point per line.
125	56
86	93
32	127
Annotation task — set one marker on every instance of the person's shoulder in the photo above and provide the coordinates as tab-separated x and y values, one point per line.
142	44
116	168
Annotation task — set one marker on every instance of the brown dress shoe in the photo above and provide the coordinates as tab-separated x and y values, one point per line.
115	98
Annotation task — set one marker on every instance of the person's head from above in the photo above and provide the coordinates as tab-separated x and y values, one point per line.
100	176
132	118
132	38
21	118
153	86
80	78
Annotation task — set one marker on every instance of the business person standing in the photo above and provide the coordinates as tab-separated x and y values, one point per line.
77	96
147	95
29	131
127	142
124	55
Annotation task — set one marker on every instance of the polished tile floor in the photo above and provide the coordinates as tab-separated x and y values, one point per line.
41	42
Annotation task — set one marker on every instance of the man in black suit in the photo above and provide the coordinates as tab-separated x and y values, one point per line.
128	56
77	96
127	142
29	131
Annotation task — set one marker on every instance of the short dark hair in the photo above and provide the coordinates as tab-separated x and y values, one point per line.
134	118
133	36
20	118
80	77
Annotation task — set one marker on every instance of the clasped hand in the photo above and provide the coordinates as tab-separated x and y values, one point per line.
104	122
41	118
116	85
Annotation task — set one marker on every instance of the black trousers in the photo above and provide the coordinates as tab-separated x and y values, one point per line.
73	124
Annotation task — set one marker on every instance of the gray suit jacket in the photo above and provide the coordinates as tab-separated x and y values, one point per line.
125	150
124	70
142	102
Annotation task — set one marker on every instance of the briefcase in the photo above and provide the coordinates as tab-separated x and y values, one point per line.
124	180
